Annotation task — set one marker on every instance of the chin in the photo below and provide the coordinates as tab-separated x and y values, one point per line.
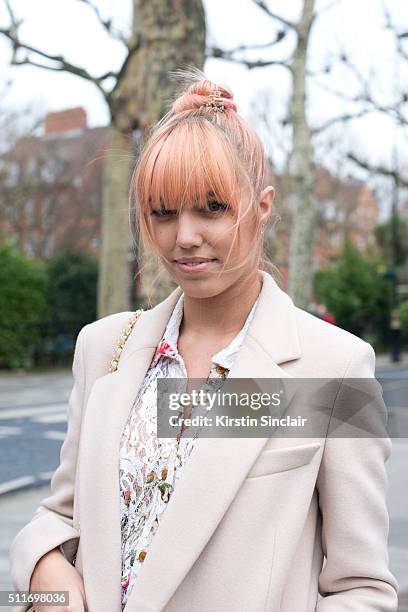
203	288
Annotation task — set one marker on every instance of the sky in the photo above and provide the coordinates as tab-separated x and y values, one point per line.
68	27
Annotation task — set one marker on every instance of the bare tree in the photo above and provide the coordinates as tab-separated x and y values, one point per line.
164	36
397	109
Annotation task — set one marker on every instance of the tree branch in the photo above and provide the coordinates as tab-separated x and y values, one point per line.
107	24
393	110
326	9
229	54
289	24
218	53
120	75
378	169
11	34
400	36
62	63
14	22
339	119
365	85
337	92
58	62
278	38
66	67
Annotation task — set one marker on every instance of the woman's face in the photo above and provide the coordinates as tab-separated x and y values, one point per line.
206	236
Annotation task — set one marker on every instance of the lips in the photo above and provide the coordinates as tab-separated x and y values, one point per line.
194	266
193	260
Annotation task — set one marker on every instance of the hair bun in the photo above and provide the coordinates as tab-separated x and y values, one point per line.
198	95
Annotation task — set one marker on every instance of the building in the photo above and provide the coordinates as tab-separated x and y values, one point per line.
51	187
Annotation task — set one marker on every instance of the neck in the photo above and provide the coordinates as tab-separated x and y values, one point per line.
224	313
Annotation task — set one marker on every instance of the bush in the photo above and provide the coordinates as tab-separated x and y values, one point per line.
23	307
356	294
72	296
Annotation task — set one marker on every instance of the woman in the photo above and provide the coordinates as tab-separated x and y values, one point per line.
197	523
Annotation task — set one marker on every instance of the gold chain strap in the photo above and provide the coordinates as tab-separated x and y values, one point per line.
122	340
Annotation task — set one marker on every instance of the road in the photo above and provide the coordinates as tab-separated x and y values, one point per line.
33	412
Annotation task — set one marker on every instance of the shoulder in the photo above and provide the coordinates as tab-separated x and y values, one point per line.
103	330
336	351
311	326
97	341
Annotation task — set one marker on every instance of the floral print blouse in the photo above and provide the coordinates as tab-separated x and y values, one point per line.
150	466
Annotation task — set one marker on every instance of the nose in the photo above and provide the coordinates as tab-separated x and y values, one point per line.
188	230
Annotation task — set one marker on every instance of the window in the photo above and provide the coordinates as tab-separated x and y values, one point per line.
13	172
51	169
30	211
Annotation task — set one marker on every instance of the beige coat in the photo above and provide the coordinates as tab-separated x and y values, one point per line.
255	525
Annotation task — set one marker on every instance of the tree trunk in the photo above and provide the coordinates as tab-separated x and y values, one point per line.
172	35
302	171
113	281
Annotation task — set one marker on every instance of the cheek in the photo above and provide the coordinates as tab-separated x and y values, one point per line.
248	233
221	234
163	237
245	240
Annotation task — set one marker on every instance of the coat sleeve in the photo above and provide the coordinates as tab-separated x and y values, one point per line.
352	486
52	524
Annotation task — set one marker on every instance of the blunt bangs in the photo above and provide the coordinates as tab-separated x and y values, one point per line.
188	165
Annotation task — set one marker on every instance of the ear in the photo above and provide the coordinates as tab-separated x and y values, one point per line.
266	203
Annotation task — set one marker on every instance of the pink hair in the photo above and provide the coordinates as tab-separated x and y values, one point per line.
195	150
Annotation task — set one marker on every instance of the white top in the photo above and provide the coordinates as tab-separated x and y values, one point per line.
151	466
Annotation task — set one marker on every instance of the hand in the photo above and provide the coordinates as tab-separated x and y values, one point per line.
54	573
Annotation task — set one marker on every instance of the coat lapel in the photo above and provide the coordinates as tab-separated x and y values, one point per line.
204	492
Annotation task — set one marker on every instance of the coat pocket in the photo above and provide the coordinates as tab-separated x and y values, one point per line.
283	459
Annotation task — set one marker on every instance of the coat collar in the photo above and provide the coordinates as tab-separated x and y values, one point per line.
273	326
271	339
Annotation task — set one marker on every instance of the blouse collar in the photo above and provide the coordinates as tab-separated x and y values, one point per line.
167	347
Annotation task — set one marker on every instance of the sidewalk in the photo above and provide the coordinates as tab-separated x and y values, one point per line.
16	510
403	603
383	361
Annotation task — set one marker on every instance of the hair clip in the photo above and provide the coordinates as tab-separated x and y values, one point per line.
215	101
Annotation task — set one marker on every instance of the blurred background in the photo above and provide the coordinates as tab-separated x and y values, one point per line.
324	82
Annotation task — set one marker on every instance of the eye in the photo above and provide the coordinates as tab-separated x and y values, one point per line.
215	207
162	212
